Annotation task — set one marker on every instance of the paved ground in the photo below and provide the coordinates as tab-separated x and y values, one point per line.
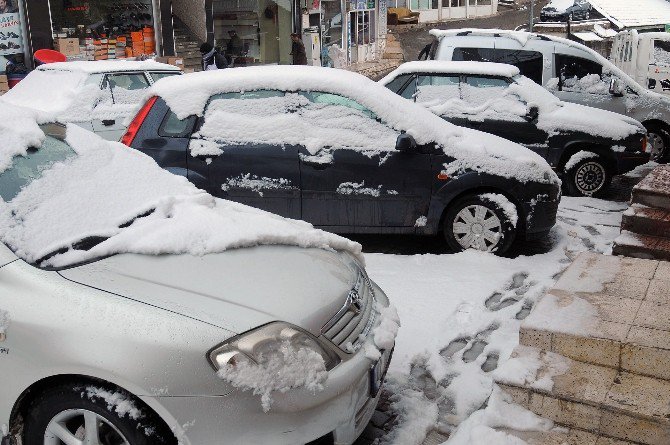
508	18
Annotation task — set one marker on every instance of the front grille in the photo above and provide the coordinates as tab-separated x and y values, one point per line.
353	322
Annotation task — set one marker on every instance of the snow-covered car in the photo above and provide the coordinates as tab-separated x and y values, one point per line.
587	146
345	154
136	309
644	56
569	70
99	96
564	10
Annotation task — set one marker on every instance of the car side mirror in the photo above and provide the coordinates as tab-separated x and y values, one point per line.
533	113
405	143
615	87
652	84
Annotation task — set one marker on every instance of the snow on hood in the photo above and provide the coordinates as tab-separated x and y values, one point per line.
444	67
105	186
190	94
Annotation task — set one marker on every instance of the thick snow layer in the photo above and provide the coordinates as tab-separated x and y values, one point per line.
281	370
579	157
18	132
442	67
108	66
98	192
116	401
505	205
458	327
382	116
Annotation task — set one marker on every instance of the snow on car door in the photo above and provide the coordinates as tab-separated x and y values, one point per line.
246	140
352	177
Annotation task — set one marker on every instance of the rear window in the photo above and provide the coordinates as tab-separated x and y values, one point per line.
26	169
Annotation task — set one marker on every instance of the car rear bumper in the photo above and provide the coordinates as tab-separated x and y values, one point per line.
541	214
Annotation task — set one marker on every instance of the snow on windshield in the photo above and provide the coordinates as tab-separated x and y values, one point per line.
473	150
18	131
101	190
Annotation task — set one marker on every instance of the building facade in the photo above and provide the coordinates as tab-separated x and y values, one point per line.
439	10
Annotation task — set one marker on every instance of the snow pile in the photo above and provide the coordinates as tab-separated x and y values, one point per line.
421	221
579	157
505	205
375	118
116	402
532	367
256	183
281	370
385	333
355	188
102	191
18	132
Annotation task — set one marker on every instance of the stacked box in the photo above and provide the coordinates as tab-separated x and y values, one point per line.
111	48
67	46
137	42
4	85
121	47
149	40
100	49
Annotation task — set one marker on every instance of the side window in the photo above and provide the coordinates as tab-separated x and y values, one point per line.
127	88
156	76
489	98
173	127
435	89
530	63
398	83
581	75
473	54
480	90
335	99
662	52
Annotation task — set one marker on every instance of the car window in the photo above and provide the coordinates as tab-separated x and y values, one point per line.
316	120
581	75
27	168
434	89
473	54
396	84
156	76
490	98
530	63
173	127
127	88
662	52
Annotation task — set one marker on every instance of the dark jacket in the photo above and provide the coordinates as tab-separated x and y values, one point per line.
214	58
299	54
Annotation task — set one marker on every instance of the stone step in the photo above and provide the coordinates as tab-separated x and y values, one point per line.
654	189
607	311
563	436
393	49
645	220
642	246
597	399
392	56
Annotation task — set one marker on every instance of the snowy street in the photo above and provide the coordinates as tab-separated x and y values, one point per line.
460	317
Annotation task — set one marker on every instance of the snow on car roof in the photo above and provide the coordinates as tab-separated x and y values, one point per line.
108	66
190	93
633	13
444	67
101	189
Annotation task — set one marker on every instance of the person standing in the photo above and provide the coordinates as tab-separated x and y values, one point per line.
211	58
298	50
235	46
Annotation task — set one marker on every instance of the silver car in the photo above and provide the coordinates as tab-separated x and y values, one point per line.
131	348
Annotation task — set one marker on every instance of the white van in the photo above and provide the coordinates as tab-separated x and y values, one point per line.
645	57
573	72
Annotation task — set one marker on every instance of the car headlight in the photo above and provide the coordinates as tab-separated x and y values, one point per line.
261	342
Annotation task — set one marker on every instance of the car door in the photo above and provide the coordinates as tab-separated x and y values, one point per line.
248	156
441	94
352	178
126	91
583	81
496	110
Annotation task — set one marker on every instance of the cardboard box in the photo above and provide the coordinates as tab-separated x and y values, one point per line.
176	61
69	47
4	85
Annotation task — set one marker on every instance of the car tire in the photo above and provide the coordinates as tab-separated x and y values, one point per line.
69	410
461	234
589	177
659	138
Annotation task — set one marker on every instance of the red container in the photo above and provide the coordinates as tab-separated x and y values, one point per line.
43	56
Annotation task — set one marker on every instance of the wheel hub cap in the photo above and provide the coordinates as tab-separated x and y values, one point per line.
477	227
590	178
82	427
657	145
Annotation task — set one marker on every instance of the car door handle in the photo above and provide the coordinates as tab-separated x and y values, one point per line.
316	165
108	122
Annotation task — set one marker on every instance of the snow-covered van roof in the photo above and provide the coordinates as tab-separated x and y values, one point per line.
445	67
108	66
634	13
96	188
190	93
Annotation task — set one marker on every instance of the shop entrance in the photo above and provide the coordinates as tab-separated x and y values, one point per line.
362	33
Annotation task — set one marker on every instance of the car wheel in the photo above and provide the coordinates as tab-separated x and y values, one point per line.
67	415
659	139
477	223
589	177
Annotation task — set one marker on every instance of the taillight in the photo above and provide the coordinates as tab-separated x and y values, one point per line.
137	122
645	145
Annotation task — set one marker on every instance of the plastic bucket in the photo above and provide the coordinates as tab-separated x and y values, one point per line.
43	56
13	79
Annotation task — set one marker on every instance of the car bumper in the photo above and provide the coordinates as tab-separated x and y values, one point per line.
628	161
541	213
557	17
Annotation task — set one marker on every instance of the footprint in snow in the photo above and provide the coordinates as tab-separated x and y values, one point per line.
511	294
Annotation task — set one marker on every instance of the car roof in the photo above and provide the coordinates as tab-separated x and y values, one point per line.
107	66
445	67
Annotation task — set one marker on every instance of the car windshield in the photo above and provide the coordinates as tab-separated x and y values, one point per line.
29	167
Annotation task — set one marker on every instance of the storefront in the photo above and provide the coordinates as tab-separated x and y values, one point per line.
100	29
13	47
438	10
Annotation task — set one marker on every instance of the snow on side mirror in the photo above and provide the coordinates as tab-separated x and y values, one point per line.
533	113
405	143
615	87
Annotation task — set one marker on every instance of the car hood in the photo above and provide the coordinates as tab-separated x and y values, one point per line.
594	121
236	290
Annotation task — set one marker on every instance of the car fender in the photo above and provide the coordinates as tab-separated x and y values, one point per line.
577	145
